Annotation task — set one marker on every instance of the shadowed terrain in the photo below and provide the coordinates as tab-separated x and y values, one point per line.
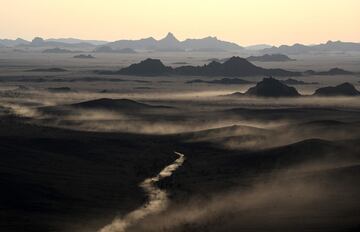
81	150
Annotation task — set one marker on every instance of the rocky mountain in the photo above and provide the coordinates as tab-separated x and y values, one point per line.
169	43
148	67
233	67
115	105
345	89
270	87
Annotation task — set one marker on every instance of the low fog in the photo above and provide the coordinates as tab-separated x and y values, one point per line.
293	200
90	152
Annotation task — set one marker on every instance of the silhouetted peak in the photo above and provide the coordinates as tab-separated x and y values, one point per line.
211	38
270	79
116	104
38	40
333	42
108	103
345	89
346	85
152	62
20	40
237	61
270	87
336	70
170	37
214	64
148	67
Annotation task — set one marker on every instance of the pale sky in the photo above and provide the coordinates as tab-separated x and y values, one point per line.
245	22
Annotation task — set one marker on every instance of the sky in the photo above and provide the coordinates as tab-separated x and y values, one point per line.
245	22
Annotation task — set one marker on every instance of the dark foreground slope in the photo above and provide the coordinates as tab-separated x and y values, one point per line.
58	180
63	180
115	104
125	106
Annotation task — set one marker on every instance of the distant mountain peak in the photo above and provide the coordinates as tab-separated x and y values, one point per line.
333	42
211	38
170	34
38	40
170	37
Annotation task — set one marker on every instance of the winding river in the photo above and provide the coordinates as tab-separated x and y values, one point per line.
157	199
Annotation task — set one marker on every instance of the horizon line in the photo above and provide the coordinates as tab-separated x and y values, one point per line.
170	33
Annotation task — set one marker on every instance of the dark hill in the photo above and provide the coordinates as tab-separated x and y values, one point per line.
237	65
148	67
270	87
114	104
345	89
234	66
103	104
